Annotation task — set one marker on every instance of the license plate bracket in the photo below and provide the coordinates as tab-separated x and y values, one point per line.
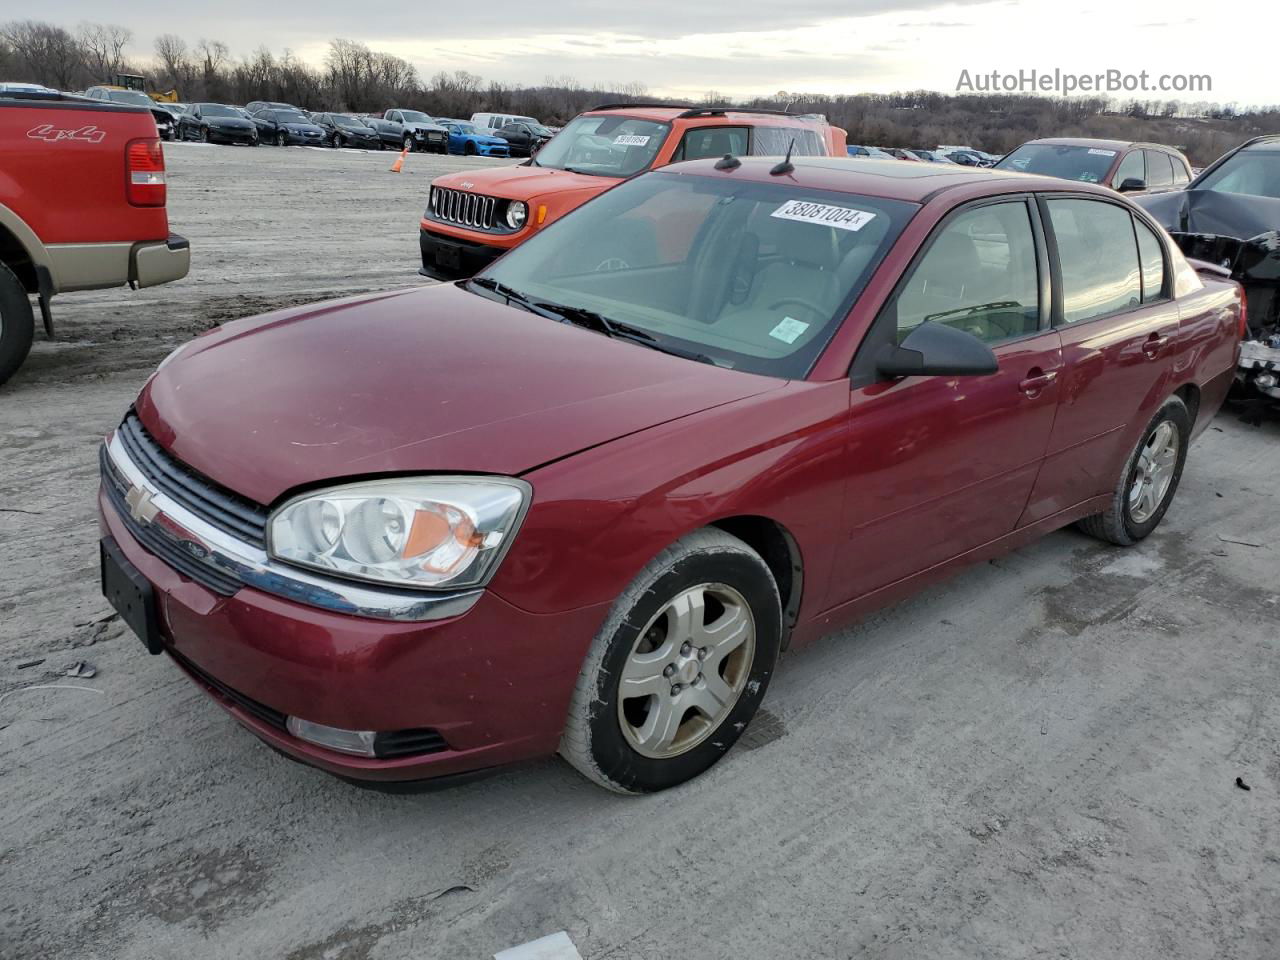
448	256
130	594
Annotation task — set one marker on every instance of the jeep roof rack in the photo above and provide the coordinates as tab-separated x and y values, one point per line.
642	106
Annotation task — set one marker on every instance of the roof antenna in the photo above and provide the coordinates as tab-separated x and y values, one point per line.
728	162
786	165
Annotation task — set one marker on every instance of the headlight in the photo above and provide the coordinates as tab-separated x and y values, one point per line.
517	213
426	532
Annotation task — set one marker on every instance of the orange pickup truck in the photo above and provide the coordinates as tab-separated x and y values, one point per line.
472	218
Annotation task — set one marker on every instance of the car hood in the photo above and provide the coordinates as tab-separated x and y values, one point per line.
1213	212
521	182
233	123
303	128
430	380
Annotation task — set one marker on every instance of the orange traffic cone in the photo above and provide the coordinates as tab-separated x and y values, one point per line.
396	167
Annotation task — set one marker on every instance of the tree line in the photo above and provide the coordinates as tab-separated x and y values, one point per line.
355	78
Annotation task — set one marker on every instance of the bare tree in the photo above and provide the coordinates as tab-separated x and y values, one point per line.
102	45
175	63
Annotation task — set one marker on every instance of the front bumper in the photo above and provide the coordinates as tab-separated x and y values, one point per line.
494	682
304	139
151	264
232	136
446	257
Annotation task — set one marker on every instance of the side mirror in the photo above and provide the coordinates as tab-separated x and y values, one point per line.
936	350
1131	184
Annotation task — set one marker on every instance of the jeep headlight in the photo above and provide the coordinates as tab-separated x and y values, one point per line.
517	214
429	532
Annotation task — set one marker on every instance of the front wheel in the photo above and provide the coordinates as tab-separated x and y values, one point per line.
282	140
679	667
469	149
1149	480
335	141
408	143
17	324
204	134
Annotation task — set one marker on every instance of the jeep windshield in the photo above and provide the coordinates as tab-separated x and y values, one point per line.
1086	164
752	276
1253	171
604	146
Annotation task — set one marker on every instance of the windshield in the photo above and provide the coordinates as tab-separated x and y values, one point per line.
415	116
345	121
1086	164
605	146
290	116
215	110
459	127
1252	172
540	130
747	275
131	96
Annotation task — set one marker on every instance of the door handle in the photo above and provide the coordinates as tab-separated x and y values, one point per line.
1151	347
1036	381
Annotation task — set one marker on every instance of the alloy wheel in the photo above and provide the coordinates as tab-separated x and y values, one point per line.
686	671
1154	471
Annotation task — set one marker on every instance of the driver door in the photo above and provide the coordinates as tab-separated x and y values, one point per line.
937	466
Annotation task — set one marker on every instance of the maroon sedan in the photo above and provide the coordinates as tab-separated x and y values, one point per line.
584	500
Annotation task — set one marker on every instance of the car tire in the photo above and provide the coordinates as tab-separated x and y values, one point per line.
17	323
282	139
204	134
408	143
336	141
708	580
469	149
1149	480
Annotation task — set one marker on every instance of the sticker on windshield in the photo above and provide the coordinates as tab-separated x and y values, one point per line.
789	329
824	214
630	140
1096	152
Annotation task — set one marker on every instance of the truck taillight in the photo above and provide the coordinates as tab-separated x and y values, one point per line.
144	173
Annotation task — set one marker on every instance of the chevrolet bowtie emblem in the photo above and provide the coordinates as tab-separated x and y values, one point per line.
140	506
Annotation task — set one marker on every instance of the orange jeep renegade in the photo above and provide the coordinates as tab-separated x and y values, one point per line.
473	218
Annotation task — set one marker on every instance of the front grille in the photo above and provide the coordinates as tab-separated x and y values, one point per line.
216	505
157	544
462	208
273	718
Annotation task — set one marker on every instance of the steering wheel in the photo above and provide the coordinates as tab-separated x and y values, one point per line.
801	302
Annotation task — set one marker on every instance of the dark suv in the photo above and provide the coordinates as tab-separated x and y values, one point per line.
1127	167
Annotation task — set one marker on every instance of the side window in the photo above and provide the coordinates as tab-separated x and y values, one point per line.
1099	258
1132	167
774	141
711	142
1159	169
1151	257
979	275
1181	174
395	116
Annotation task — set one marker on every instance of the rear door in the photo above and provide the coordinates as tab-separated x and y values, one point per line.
1119	327
937	466
1159	171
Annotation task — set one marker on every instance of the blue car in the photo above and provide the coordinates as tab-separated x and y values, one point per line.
466	138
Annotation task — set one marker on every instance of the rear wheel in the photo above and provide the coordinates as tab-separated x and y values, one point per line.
17	324
679	667
1149	480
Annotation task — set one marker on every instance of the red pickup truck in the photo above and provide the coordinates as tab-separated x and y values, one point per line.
82	206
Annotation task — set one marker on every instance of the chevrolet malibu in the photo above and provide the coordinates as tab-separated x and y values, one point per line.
583	501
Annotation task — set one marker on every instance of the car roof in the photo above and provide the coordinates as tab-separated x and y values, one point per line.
887	179
705	116
1269	143
1106	144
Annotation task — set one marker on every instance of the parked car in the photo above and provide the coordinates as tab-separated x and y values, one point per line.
1230	216
968	158
82	207
598	504
287	127
902	153
15	87
856	150
420	131
1127	167
474	217
344	131
524	138
164	120
216	123
932	156
464	138
496	121
254	106
390	133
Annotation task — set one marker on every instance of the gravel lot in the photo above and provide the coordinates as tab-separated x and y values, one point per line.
1038	759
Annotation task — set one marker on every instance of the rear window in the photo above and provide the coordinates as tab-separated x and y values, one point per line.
775	141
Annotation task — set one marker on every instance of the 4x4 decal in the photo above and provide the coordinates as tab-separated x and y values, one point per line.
47	131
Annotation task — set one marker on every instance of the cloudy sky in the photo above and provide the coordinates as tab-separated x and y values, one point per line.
745	47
